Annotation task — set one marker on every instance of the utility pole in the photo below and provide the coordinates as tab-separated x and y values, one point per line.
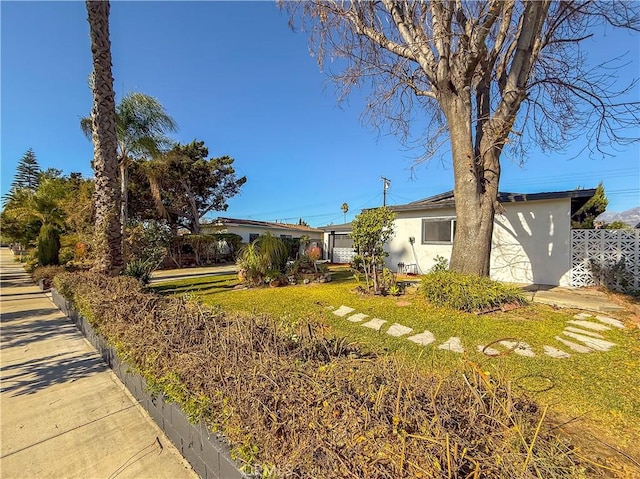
385	187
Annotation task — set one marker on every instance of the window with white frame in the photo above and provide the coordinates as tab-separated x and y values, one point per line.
439	230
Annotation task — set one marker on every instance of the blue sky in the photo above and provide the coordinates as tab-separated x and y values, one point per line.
235	76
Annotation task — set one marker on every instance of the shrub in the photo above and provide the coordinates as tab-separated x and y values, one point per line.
316	407
468	292
260	258
140	270
48	245
47	273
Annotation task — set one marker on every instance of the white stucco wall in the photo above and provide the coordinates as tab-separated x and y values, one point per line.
531	242
409	224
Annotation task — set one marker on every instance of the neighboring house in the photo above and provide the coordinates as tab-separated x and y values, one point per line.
249	230
338	245
531	238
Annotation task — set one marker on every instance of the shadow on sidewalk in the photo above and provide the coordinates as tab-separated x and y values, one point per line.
32	376
24	333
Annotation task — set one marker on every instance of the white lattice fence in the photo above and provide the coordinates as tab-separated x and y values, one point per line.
343	255
605	248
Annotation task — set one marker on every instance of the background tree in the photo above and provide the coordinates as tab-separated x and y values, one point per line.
183	186
108	233
371	230
584	218
141	127
618	225
472	67
345	210
27	175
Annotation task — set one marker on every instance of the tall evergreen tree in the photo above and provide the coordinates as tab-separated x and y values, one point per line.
27	176
27	172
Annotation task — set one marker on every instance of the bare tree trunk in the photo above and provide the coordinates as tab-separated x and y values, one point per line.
108	235
476	175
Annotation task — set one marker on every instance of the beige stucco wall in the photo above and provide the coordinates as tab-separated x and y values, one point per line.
531	242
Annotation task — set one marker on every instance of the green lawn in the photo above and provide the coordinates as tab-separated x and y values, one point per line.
601	390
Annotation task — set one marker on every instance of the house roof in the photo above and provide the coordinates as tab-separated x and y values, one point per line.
341	228
446	200
220	221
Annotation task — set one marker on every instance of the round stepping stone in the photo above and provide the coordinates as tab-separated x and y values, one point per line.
375	323
555	352
582	331
488	351
423	339
593	343
519	347
578	348
342	311
590	325
610	321
356	318
398	330
582	316
452	344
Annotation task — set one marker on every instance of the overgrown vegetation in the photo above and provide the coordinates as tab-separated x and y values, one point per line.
304	405
468	292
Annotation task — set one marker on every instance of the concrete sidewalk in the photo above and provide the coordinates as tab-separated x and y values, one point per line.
63	412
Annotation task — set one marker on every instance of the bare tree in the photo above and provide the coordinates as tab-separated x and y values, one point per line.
108	235
488	75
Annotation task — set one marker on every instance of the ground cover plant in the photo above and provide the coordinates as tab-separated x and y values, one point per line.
304	404
598	394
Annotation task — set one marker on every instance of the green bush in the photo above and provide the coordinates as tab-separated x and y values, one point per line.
259	259
48	245
468	292
139	269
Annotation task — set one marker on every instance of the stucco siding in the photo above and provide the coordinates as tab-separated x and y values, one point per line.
408	224
531	242
246	231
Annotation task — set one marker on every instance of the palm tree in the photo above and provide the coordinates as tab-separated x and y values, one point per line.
108	234
141	125
345	209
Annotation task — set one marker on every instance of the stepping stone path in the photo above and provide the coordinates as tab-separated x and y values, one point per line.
590	325
342	311
452	344
488	351
375	323
584	331
575	347
519	347
593	343
398	330
356	318
555	353
613	322
423	338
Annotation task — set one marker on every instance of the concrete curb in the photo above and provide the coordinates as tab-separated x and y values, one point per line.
205	451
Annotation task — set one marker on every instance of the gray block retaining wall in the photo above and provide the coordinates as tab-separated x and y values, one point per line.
207	453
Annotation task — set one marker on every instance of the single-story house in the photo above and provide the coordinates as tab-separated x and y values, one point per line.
249	230
531	237
338	245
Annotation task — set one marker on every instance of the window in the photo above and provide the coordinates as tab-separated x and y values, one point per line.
253	237
286	236
342	241
438	230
